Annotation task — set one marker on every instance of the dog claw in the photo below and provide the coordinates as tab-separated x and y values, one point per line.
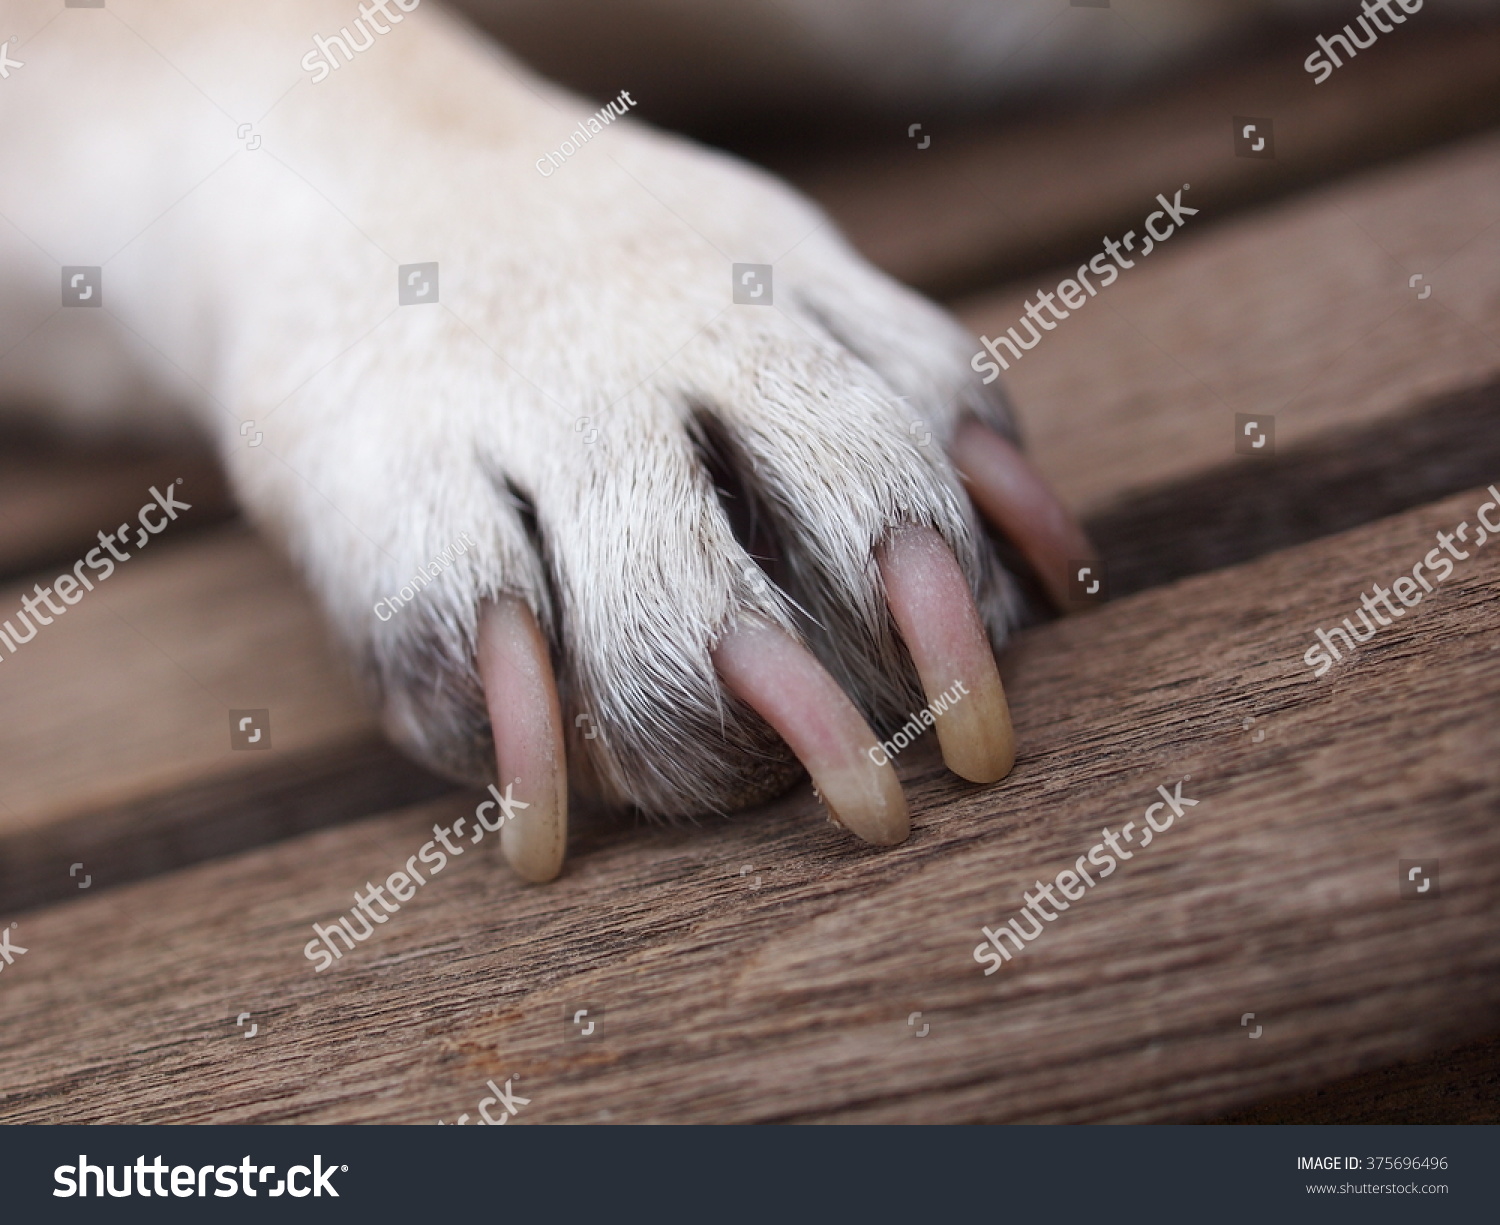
934	610
526	716
779	678
1015	498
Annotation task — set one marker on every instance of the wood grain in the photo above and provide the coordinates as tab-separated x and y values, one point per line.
55	495
783	992
1304	312
116	730
1246	508
764	968
1382	401
1455	1086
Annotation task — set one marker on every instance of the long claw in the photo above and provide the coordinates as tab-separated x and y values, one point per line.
521	694
935	612
788	688
1015	498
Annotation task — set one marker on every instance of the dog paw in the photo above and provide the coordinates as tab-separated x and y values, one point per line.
663	493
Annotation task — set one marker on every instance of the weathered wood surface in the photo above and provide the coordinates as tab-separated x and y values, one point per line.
1382	401
115	735
986	203
55	496
765	968
1455	1086
184	633
726	1000
1305	312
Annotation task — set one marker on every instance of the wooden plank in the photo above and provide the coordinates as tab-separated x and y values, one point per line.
55	495
1304	313
116	741
765	968
769	995
1310	489
1457	1086
205	814
994	200
1382	401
